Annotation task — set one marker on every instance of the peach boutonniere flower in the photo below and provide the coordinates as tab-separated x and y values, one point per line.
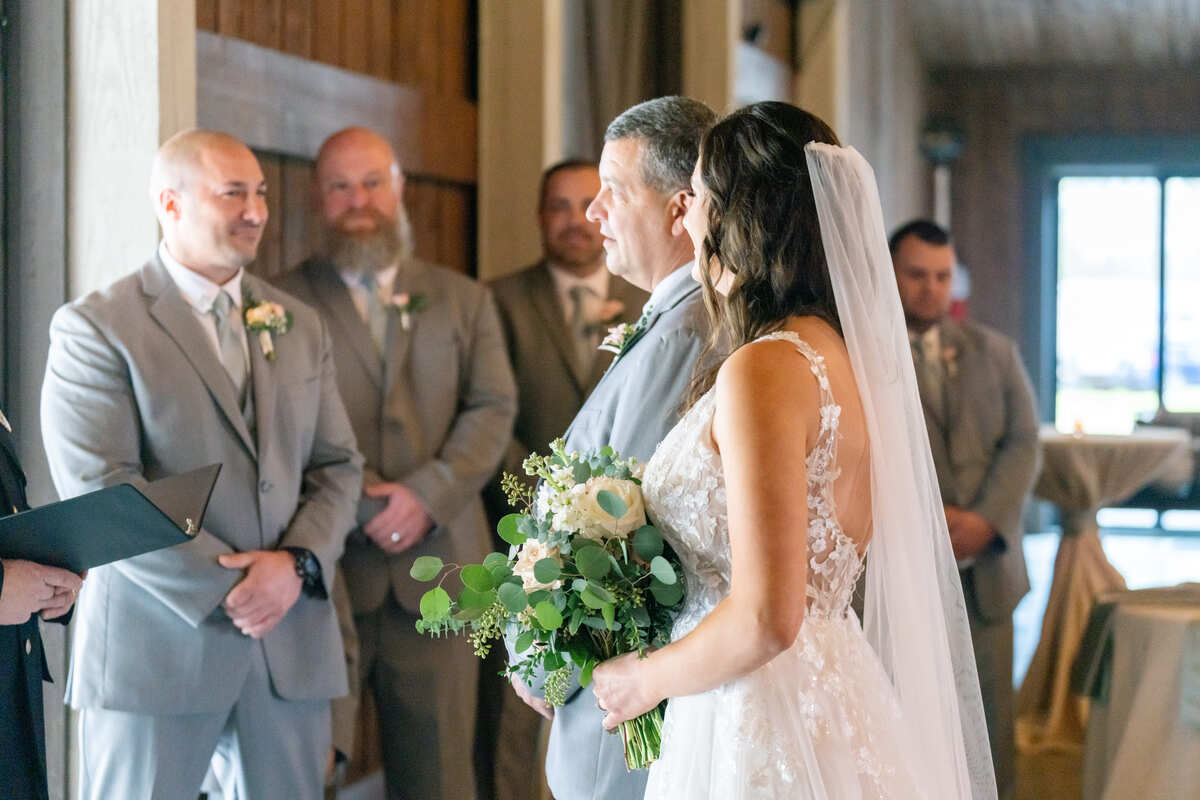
950	361
267	319
406	305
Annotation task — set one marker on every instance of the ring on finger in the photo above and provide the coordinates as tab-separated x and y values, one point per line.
395	536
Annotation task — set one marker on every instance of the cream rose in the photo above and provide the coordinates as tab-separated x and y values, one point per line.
533	551
265	314
593	522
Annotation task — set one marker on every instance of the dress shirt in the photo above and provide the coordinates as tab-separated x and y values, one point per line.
668	284
199	293
565	281
385	279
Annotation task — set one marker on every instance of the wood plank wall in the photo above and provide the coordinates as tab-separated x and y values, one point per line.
430	46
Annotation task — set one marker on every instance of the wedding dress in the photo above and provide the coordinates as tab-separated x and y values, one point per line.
890	709
819	720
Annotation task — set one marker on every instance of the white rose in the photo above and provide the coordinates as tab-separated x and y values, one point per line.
533	551
595	523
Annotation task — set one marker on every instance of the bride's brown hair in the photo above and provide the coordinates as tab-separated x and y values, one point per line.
762	228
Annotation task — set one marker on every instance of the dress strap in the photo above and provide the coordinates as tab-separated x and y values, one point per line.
816	363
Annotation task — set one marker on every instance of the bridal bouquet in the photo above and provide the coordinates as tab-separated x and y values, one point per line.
586	579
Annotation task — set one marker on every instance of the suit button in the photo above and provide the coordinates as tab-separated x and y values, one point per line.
265	486
28	647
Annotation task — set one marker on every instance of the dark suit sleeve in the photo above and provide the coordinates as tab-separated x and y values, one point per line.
332	477
483	426
91	430
1017	459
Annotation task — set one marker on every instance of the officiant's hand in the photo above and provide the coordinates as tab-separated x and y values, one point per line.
403	523
536	703
622	690
267	592
29	588
970	533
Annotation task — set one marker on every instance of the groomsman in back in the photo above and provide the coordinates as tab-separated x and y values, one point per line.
422	368
983	431
555	314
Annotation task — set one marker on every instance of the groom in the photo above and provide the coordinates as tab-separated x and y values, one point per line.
645	173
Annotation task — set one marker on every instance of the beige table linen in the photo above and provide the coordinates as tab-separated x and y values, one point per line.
1081	475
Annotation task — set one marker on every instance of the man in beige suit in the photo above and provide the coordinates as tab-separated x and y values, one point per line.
555	314
422	369
229	642
983	431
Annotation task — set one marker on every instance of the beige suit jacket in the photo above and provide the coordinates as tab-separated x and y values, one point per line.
434	413
551	383
134	391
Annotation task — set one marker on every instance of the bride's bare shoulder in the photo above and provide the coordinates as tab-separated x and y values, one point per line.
770	371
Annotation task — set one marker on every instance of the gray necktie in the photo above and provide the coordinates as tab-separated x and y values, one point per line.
376	314
233	357
929	376
581	327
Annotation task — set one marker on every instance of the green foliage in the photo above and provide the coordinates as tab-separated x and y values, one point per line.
592	562
435	604
507	528
614	506
426	568
647	542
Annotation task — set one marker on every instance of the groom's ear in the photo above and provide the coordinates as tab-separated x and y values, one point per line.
677	207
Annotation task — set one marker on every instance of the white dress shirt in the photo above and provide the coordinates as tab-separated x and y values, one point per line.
668	284
385	279
199	293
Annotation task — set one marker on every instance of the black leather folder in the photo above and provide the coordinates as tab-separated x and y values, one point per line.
112	523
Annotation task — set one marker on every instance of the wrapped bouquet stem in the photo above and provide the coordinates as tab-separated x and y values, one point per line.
587	578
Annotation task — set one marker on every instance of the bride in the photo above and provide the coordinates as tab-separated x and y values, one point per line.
802	452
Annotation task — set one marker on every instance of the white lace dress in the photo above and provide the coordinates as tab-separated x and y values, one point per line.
820	719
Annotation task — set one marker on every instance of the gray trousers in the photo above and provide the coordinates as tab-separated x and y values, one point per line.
264	748
425	692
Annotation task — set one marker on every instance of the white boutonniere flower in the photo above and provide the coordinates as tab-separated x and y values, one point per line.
266	319
406	305
620	337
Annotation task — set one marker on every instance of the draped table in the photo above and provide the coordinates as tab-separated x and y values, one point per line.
1141	665
1082	474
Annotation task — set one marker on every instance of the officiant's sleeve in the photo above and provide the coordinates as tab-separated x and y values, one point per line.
91	431
1017	458
482	429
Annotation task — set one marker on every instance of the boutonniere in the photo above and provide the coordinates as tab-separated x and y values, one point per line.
606	313
406	305
950	361
266	319
619	337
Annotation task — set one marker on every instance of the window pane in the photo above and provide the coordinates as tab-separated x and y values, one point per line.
1181	360
1108	277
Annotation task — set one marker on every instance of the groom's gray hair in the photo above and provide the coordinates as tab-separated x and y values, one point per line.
671	129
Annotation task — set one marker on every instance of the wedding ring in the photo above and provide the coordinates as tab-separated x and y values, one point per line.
395	536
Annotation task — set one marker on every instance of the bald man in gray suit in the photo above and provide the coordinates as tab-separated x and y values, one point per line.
226	643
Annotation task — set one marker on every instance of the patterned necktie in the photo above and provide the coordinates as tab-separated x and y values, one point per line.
233	357
581	327
376	318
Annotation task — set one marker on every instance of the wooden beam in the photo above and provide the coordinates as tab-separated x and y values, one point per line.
289	105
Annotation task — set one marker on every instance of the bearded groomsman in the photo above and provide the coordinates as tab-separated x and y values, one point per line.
423	371
229	642
983	431
555	314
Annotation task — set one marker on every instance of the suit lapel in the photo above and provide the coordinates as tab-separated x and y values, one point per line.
331	292
176	317
262	372
545	302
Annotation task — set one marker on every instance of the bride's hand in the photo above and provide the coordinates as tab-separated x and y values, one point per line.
622	690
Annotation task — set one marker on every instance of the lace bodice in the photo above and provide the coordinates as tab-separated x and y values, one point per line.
685	495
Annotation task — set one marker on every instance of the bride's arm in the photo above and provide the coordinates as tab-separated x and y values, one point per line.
766	412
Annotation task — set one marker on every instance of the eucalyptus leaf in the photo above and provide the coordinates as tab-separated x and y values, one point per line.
592	562
585	674
661	568
553	661
507	527
435	604
500	573
648	542
640	616
477	577
664	594
616	565
601	592
538	596
614	506
524	641
548	616
582	473
494	560
576	620
578	585
426	568
471	600
590	599
609	614
596	623
513	597
547	570
468	614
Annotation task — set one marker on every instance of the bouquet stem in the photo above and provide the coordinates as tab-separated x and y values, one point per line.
642	737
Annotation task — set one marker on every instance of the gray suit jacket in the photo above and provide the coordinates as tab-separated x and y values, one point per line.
987	456
634	406
135	391
435	414
551	383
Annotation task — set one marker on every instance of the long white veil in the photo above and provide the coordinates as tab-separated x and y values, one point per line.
914	614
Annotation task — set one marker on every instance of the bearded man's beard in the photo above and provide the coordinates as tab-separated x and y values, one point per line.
390	243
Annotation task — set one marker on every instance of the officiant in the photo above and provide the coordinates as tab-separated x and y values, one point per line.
27	591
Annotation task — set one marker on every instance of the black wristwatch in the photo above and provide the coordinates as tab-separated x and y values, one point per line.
309	571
